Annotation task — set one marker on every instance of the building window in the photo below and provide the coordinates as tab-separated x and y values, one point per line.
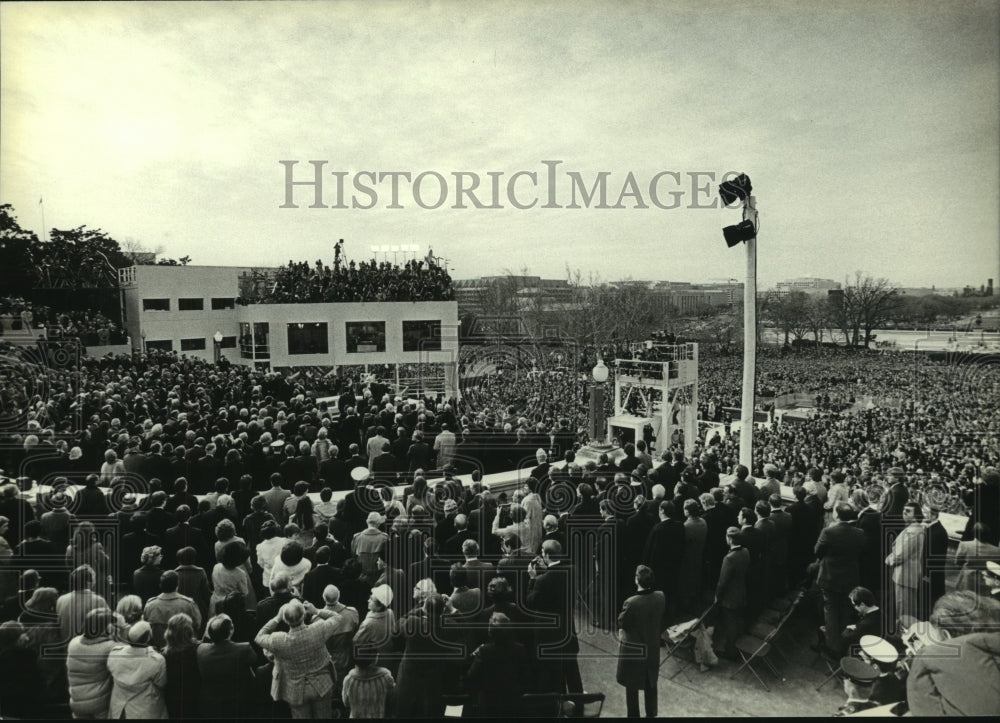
224	303
421	336
192	344
190	304
228	342
365	336
308	338
156	305
165	345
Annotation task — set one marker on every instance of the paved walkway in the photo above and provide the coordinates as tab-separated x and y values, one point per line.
691	693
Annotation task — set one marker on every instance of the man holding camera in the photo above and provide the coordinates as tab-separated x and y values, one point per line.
551	591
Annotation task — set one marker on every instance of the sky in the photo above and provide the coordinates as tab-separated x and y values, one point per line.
868	128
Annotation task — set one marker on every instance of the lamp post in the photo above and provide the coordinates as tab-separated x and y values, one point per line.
740	189
143	335
217	338
600	375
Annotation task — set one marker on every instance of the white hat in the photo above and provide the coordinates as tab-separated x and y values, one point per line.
879	649
139	633
450	505
382	593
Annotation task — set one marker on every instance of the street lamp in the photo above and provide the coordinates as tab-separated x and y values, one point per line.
600	375
143	335
217	338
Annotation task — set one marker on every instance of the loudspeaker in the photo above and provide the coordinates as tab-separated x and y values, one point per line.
743	231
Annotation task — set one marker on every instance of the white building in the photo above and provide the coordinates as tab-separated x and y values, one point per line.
807	284
183	308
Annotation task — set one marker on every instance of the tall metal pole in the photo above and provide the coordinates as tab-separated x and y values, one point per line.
749	340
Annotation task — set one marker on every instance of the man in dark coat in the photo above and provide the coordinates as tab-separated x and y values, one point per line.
385	465
638	527
664	553
551	592
755	543
869	620
783	535
731	594
838	549
642	623
871	567
896	496
333	471
807	520
418	456
744	487
935	558
184	535
90	501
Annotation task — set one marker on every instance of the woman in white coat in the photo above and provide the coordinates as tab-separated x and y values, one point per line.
140	675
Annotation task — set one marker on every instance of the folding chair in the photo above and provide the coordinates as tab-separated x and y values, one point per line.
541	705
683	664
581	705
751	649
764	630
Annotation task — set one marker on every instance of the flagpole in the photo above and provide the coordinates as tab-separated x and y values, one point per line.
45	232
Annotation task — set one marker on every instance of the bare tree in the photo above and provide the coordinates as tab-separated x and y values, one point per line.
867	303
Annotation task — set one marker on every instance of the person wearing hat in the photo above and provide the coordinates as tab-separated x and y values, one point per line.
859	678
140	676
379	626
888	688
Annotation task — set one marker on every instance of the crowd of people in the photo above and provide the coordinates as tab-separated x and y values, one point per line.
364	281
90	326
192	506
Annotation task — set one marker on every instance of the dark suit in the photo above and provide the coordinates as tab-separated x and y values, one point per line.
641	623
419	457
754	541
870	624
746	491
384	467
783	535
551	593
839	547
91	502
894	502
870	566
334	473
664	552
715	544
315	583
731	597
935	561
184	535
226	671
805	531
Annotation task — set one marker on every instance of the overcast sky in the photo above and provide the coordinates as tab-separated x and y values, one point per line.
869	129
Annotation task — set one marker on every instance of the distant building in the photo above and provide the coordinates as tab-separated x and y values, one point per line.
806	284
